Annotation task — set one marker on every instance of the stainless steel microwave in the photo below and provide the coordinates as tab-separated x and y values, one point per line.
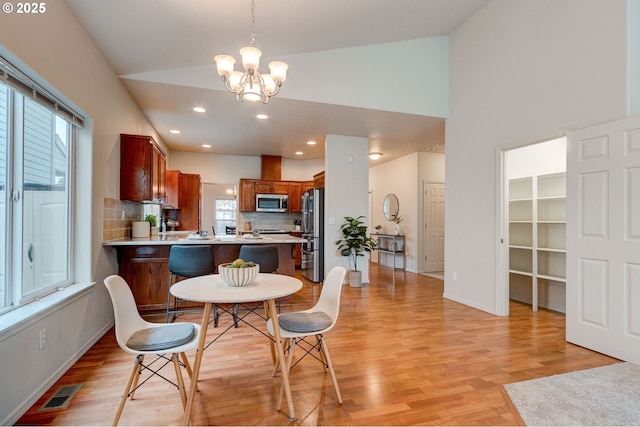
272	203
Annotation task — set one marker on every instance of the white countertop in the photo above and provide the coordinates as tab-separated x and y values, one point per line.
180	238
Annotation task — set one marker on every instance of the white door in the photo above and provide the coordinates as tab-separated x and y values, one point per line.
434	227
603	239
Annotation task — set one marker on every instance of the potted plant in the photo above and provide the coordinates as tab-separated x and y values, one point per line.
153	222
353	244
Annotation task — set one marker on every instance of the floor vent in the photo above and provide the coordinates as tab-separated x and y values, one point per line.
61	398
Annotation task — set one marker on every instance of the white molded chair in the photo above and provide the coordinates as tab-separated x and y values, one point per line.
137	336
316	321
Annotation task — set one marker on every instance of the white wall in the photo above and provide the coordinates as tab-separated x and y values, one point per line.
369	76
404	178
56	47
521	72
345	194
225	169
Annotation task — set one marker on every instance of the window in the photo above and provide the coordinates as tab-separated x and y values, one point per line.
225	214
36	150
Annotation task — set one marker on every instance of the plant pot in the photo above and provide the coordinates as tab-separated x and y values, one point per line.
355	279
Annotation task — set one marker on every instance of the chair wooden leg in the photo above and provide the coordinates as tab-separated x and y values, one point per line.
127	389
188	368
322	358
180	380
136	378
325	351
292	346
276	366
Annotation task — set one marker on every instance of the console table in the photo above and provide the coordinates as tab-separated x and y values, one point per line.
391	245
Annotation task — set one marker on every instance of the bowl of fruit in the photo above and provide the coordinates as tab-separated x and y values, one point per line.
238	273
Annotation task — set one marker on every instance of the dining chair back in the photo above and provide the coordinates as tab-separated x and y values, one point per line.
188	261
296	327
265	255
141	338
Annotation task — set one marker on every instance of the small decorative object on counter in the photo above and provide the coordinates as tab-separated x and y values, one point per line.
247	226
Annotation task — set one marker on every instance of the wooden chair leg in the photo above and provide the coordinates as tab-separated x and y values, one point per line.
127	389
292	346
322	358
180	380
140	361
325	351
286	343
188	368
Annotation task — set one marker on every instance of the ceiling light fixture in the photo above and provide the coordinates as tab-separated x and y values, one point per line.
206	146
299	153
175	131
262	116
311	142
375	156
199	109
251	85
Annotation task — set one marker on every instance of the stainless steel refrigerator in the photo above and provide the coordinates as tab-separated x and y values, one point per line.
313	231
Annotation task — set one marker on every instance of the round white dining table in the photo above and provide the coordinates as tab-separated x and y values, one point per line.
211	289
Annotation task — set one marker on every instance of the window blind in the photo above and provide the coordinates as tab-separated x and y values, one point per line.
29	88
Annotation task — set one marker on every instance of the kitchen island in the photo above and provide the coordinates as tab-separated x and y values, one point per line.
144	262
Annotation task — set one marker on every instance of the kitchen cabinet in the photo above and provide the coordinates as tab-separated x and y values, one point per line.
307	185
172	185
248	188
142	169
190	197
247	195
537	240
295	197
318	180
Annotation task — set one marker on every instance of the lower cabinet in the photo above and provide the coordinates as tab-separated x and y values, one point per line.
146	269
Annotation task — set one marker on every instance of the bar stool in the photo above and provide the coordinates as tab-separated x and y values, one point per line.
187	261
264	255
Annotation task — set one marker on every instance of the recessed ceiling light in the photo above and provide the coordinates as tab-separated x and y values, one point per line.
299	153
311	142
206	146
262	116
199	109
175	131
375	156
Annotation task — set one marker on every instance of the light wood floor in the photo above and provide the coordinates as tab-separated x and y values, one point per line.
403	356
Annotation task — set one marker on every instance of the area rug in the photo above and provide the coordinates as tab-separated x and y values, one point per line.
609	395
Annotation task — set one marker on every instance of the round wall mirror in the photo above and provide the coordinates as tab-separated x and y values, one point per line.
390	207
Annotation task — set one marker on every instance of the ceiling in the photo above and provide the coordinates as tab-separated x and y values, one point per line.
146	36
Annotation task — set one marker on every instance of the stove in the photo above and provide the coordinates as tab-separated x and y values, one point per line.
273	231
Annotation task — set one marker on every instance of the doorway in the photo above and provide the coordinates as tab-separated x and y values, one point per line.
218	207
532	250
433	209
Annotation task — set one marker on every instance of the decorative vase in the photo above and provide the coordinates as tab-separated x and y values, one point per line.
398	229
355	279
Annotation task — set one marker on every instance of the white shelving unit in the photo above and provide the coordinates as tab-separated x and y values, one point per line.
537	240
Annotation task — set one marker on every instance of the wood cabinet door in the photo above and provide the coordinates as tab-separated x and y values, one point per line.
280	187
189	213
172	183
247	195
142	169
295	197
135	168
263	187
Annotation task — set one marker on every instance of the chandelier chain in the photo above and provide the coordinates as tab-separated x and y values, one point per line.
252	39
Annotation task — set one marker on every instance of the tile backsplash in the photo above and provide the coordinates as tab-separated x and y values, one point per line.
117	216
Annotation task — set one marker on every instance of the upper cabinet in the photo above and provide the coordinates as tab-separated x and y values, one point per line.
142	169
248	189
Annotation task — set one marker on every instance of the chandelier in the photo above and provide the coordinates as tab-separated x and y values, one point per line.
250	85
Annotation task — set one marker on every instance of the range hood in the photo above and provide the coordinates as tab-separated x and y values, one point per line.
271	168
